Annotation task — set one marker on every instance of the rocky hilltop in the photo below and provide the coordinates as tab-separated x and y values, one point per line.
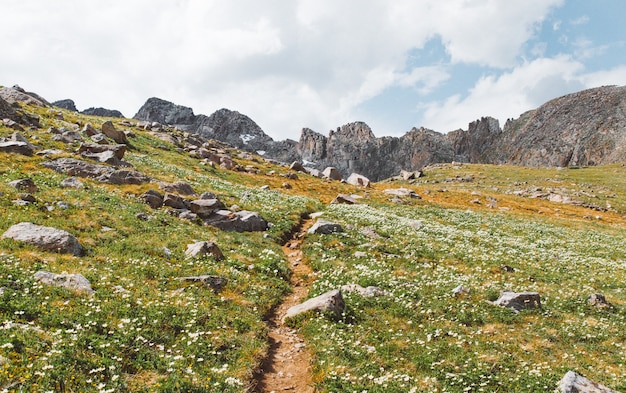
584	128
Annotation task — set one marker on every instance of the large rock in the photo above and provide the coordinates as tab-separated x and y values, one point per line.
518	301
241	221
178	187
344	199
174	201
126	177
214	282
325	227
45	238
22	148
331	173
117	150
200	249
574	383
358	180
153	198
75	282
17	94
27	185
205	207
109	130
331	302
74	167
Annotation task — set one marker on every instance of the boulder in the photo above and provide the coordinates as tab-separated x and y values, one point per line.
179	187
73	167
174	201
408	175
76	282
205	207
241	221
125	177
200	249
358	180
325	227
45	238
109	130
72	182
117	150
214	282
17	94
22	148
26	185
574	383
518	301
598	300
331	173
89	130
153	198
331	302
107	157
345	199
297	166
67	137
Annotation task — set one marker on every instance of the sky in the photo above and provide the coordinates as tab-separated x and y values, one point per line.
290	64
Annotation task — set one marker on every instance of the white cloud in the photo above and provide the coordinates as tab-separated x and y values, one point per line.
508	95
287	64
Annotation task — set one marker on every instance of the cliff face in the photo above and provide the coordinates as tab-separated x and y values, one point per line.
584	128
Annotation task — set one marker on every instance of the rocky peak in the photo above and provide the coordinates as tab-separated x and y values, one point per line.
66	104
312	146
165	112
355	132
103	112
17	94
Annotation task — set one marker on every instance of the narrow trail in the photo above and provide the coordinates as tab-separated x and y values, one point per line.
287	367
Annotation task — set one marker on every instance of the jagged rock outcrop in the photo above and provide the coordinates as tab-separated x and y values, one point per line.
102	112
584	128
66	104
16	94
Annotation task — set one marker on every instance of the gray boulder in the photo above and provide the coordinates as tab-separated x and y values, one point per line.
15	147
153	198
117	150
75	282
358	180
27	185
45	238
518	301
214	282
179	187
241	221
205	207
370	291
598	300
174	201
73	167
325	227
345	199
331	173
574	383
125	177
331	301
402	192
199	249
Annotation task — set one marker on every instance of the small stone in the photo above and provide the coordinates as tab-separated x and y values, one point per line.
72	182
24	185
199	249
598	300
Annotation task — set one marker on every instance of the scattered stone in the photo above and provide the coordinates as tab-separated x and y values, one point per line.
370	291
360	254
242	221
518	301
100	139
402	192
143	216
358	180
460	291
325	227
22	148
287	186
371	233
45	238
89	130
199	249
187	215
331	301
178	187
407	175
126	177
598	300
174	201
27	198
153	198
214	282
76	282
67	137
109	130
331	173
73	167
265	187
297	166
72	182
27	185
574	383
507	269
208	195
345	199
205	207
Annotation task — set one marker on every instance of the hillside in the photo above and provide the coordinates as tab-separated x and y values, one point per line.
420	264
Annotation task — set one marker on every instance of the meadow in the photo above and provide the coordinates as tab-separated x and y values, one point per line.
143	330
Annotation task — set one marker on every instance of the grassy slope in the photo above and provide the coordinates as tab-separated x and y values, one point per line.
157	337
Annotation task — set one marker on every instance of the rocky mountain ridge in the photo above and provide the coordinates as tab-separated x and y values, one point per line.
584	128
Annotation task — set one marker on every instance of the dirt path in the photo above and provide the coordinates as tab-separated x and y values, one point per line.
288	365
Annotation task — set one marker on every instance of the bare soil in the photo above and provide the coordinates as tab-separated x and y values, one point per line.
287	367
